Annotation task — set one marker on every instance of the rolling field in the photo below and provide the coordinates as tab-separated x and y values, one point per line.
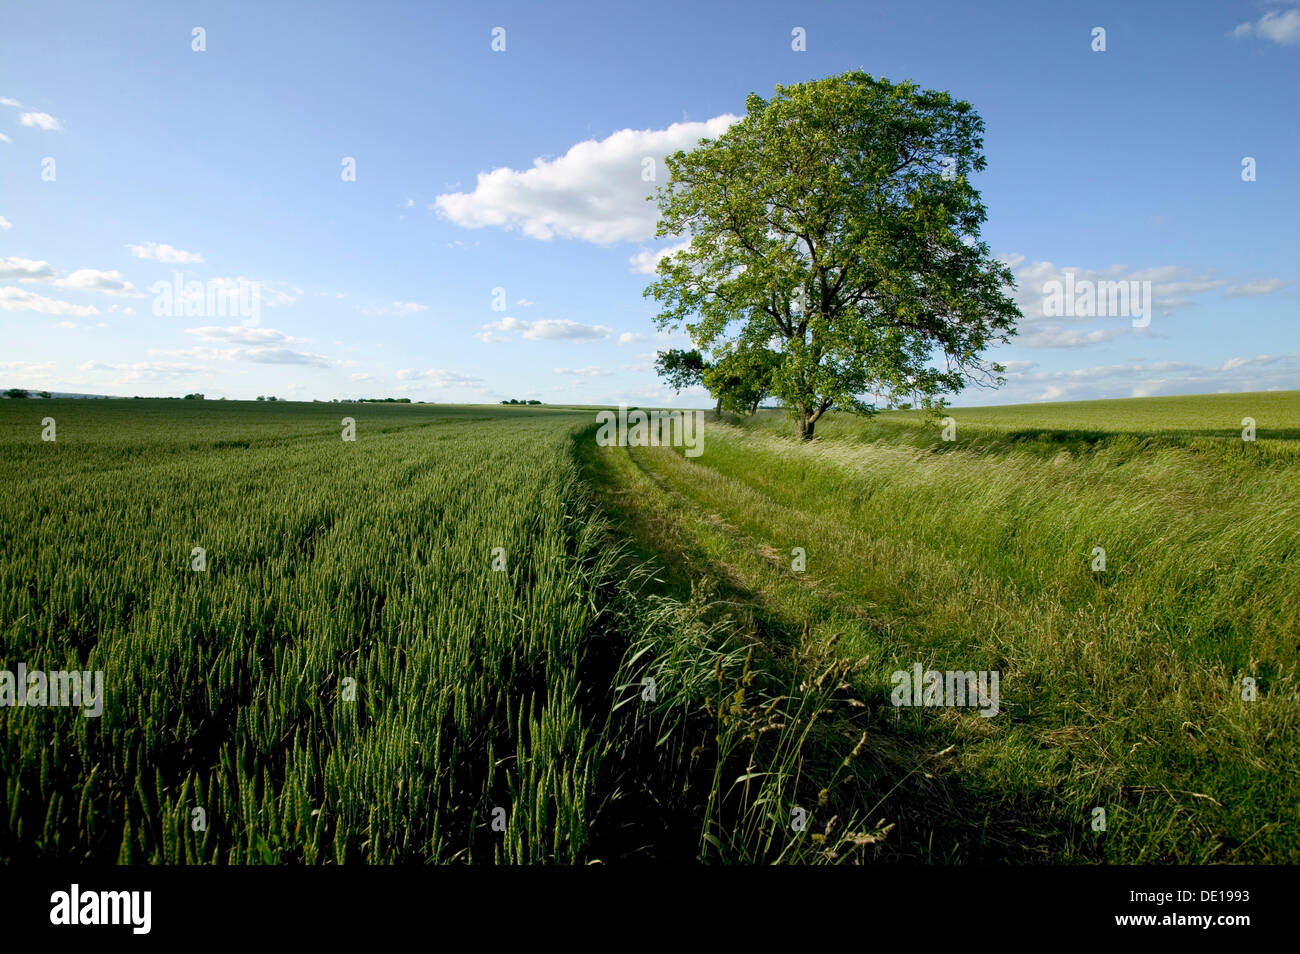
357	674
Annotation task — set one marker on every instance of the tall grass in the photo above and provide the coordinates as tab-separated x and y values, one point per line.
1121	690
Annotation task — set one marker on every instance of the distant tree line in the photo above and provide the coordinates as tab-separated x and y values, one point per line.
513	401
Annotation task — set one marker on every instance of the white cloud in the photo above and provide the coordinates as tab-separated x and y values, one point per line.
132	372
584	372
1260	373
525	303
549	329
1171	285
238	334
397	308
594	192
1280	26
19	299
164	253
647	260
6	101
437	377
257	355
630	337
231	289
93	280
27	372
25	270
1056	336
283	356
4	138
1263	286
41	121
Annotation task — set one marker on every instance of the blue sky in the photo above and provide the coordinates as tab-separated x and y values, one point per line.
227	164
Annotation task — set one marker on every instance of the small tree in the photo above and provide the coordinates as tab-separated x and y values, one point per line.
684	369
742	377
47	395
16	393
836	223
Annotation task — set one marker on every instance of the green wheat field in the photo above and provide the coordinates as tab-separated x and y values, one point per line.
473	635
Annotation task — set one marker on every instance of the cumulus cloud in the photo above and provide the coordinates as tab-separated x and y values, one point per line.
238	334
397	308
40	121
437	377
5	223
27	372
4	138
19	299
1259	373
262	354
1279	26
584	372
647	260
1171	286
283	356
25	270
1263	286
1058	336
595	192
549	329
93	280
630	337
169	254
233	290
130	372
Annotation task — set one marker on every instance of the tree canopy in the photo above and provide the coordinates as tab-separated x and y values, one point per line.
835	227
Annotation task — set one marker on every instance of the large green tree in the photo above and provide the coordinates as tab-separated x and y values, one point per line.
836	224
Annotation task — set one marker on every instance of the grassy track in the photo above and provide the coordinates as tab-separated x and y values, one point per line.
1120	689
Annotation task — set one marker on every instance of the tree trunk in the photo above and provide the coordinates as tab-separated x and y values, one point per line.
803	426
717	411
